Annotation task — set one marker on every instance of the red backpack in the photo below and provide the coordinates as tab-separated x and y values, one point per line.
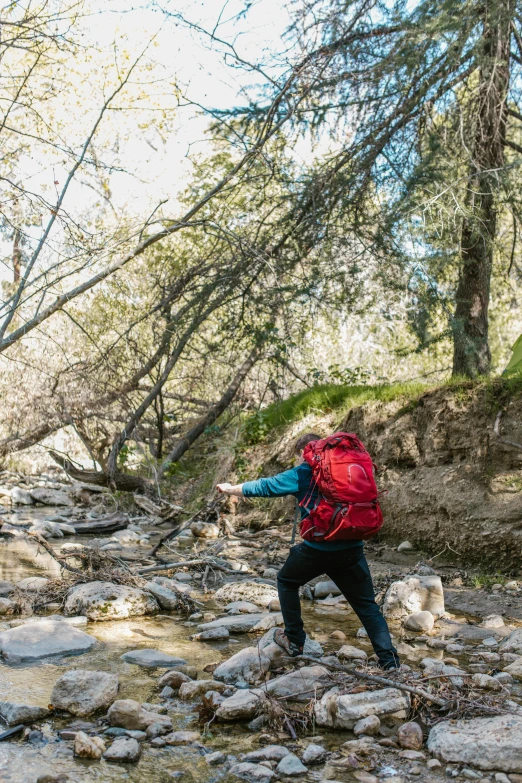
347	505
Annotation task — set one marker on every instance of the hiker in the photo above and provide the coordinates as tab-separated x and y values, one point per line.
342	557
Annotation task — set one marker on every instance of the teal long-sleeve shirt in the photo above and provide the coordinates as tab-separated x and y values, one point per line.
297	482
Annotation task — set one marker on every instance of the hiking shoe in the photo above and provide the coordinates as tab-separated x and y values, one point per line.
291	649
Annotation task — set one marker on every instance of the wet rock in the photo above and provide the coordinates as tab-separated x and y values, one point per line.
326	588
512	643
242	607
33	583
291	766
129	714
414	594
249	664
51	497
315	754
349	653
166	598
107	601
156	729
268	621
300	685
369	726
60	778
410	736
253	773
493	621
270	573
338	636
420	621
243	705
214	699
125	750
504	678
7	606
83	692
139	736
167	692
6	588
514	669
268	753
86	747
486	682
151	659
183	737
194	689
212	634
21	497
240	623
215	758
254	592
173	679
13	713
33	641
493	743
344	711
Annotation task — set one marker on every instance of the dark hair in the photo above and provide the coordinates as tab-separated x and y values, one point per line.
304	440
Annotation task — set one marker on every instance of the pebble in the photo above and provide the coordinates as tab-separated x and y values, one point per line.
416	770
470	774
337	635
433	764
410	736
500	777
412	755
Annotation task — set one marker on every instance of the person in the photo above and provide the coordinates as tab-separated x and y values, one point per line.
344	563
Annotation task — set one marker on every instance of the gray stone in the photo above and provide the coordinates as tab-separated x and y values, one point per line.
13	713
326	588
486	682
249	664
493	621
196	688
33	583
215	758
173	679
139	736
167	599
124	749
242	607
512	643
130	714
343	711
107	601
33	641
492	743
315	754
410	736
254	592
51	497
291	766
182	737
212	634
349	653
6	588
83	692
243	705
7	606
252	773
414	594
240	623
268	753
300	685
152	659
21	497
420	621
369	726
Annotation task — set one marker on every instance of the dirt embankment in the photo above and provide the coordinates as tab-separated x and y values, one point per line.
450	481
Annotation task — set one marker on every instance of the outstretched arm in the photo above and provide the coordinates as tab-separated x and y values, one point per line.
231	489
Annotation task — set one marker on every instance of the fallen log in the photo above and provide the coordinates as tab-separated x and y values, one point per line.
108	524
121	481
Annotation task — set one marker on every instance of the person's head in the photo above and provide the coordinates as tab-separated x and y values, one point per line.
304	440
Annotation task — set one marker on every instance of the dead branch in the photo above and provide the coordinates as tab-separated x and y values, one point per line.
59	558
199	561
121	481
496	430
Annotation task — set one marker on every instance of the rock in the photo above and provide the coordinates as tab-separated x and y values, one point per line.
300	685
167	692
504	678
194	689
270	573
183	737
414	594
433	764
344	711
512	643
243	705
492	743
167	599
33	641
369	726
204	529
124	749
242	607
155	729
214	699
211	634
268	621
254	592
83	692
492	621
365	777
7	606
21	497
86	747
290	766
406	546
486	682
410	736
274	605
514	669
6	588
139	736
236	623
420	621
173	679
129	714
311	647
349	653
13	713
253	773
215	758
107	601
51	497
268	753
249	664
152	659
33	583
326	588
434	666
338	635
172	585
60	778
314	754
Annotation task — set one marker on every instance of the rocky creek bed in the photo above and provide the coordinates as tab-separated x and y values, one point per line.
123	669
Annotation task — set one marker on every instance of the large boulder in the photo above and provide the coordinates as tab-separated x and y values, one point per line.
13	713
243	705
51	497
300	685
254	592
414	594
152	659
83	692
343	711
33	641
512	643
107	601
248	664
493	743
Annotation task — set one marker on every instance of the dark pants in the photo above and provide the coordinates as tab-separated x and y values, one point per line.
349	570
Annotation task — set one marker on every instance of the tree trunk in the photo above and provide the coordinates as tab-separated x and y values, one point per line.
471	354
193	434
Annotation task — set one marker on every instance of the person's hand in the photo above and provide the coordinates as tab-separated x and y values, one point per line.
224	488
